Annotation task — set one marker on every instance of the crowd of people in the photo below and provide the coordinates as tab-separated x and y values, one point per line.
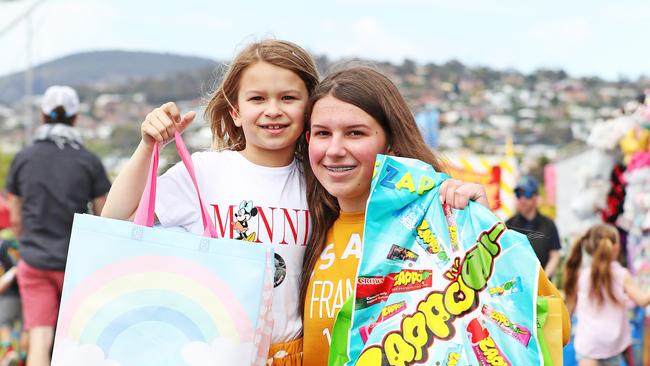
296	142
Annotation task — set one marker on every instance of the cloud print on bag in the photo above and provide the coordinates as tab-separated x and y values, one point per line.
222	351
70	353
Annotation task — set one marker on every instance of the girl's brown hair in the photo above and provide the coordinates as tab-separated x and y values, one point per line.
376	95
596	242
284	54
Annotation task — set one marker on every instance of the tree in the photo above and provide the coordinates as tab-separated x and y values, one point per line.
5	162
408	67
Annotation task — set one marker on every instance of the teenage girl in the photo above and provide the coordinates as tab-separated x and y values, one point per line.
353	115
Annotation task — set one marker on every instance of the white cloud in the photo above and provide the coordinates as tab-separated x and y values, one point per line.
561	34
207	22
70	353
367	27
365	37
327	25
221	352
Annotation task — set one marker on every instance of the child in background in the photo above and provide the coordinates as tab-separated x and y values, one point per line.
10	310
254	188
354	115
597	287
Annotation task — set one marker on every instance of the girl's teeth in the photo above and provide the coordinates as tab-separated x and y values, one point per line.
340	169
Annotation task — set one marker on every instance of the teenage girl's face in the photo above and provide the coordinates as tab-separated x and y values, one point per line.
344	141
271	107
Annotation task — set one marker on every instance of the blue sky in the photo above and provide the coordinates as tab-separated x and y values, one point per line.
603	38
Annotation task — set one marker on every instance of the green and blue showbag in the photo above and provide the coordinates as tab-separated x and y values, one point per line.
436	285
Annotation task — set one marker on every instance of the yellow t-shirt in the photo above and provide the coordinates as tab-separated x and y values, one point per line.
330	285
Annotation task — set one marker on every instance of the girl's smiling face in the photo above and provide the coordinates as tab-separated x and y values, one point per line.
343	144
270	109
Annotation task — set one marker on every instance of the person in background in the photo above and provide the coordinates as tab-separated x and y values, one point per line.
10	311
48	182
597	288
541	230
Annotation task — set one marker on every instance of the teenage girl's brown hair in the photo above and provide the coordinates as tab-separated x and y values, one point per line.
284	54
596	242
376	95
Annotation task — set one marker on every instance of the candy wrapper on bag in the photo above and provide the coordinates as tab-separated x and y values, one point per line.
439	286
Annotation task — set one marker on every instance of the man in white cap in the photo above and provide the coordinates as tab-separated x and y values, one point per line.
48	182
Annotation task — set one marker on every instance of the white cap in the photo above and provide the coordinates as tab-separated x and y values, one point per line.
60	96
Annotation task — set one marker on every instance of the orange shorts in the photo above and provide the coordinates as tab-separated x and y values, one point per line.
286	354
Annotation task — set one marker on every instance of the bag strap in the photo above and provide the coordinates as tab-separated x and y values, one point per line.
144	215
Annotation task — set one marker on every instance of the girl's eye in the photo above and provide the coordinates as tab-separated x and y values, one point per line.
256	98
355	133
320	133
289	97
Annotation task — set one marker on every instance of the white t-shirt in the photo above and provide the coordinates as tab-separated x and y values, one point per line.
248	202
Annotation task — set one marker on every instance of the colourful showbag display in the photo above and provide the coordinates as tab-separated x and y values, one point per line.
140	295
497	174
439	286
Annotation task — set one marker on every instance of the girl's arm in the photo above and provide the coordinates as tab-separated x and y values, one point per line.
640	297
158	126
123	198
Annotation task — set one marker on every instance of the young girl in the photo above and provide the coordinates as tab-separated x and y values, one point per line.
596	289
254	189
353	115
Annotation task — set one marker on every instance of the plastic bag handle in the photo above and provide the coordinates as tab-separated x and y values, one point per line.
144	215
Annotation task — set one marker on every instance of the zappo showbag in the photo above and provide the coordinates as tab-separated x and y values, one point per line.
439	286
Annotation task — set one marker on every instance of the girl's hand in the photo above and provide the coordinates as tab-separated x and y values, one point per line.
159	125
457	193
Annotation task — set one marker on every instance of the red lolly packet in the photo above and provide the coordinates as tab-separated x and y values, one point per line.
372	290
485	348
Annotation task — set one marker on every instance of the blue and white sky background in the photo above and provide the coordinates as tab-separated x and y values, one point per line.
585	38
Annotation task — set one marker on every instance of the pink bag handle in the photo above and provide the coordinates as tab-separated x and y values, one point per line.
144	215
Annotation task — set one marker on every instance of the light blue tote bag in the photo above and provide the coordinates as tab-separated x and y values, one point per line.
135	295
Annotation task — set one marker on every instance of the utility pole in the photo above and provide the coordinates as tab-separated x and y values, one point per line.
28	116
29	82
